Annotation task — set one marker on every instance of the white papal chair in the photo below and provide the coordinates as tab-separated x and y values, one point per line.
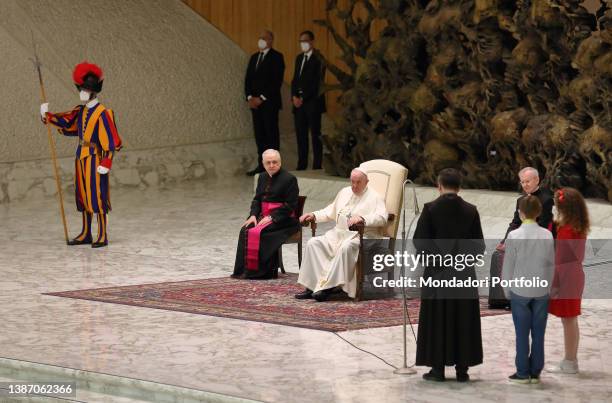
387	179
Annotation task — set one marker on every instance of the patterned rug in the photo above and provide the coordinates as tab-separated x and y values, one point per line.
269	301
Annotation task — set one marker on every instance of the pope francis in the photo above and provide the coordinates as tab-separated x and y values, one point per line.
330	259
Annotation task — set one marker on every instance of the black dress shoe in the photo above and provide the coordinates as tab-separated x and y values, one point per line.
463	377
76	241
323	295
99	244
306	294
462	373
435	376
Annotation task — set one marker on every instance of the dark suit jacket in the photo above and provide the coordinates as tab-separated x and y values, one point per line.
267	79
545	220
308	84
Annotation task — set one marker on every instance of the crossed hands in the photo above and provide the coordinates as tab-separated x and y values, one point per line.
355	220
253	221
297	101
254	102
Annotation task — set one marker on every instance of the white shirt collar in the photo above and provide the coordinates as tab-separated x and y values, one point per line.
92	103
308	54
265	51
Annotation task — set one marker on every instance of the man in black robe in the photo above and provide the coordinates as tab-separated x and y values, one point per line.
449	318
271	221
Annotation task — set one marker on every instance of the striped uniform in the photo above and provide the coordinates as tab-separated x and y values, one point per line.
98	140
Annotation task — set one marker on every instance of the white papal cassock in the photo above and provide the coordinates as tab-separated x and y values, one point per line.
329	260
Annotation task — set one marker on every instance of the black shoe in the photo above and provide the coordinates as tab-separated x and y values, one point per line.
463	377
255	171
306	294
76	241
435	376
323	295
462	373
99	244
236	276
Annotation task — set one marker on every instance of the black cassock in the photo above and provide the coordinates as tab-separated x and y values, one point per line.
449	318
280	188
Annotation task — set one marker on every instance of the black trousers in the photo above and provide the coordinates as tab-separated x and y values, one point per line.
308	118
265	124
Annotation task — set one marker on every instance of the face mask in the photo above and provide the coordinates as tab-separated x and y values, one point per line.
84	95
305	46
261	44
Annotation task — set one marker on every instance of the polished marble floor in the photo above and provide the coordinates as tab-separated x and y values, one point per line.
189	232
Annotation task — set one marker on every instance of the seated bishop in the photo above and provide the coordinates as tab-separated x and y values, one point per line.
329	260
271	221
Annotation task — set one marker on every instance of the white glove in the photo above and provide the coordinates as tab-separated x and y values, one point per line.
103	170
44	108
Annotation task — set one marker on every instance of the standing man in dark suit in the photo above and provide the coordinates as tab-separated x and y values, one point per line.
308	103
262	89
449	318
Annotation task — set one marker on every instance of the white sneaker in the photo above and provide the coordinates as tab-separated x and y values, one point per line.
564	367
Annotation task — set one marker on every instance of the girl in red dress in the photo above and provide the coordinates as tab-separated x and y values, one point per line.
568	283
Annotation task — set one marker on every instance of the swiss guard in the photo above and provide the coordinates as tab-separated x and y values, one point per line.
94	125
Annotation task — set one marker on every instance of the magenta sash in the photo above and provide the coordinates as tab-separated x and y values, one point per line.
254	234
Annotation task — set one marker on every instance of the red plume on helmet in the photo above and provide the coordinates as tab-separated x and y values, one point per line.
88	76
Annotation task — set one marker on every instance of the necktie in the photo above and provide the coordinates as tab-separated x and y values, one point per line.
303	63
259	59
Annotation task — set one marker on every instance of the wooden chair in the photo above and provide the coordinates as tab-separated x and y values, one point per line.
295	238
387	179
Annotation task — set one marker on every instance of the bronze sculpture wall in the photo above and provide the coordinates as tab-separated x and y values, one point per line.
487	86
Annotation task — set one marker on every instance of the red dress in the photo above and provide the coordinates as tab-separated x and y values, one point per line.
569	276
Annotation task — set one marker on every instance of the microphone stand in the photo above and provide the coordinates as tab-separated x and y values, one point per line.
405	370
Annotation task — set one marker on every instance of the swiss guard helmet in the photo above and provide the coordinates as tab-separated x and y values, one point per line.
88	76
